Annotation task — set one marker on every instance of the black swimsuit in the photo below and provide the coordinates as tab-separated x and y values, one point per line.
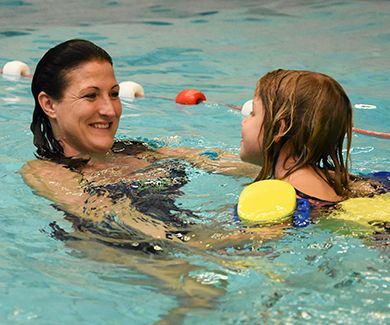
154	197
314	201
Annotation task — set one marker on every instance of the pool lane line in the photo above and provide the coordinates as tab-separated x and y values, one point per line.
131	90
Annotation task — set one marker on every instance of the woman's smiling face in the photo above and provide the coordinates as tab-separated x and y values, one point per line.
86	118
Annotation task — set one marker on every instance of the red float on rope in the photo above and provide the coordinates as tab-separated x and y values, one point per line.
190	97
195	97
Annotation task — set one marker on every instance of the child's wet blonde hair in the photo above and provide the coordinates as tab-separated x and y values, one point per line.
311	113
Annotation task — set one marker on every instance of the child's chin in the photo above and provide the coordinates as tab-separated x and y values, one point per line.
250	160
244	157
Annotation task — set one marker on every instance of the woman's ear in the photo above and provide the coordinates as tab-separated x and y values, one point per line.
282	131
47	104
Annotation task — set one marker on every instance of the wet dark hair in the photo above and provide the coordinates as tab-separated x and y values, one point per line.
50	77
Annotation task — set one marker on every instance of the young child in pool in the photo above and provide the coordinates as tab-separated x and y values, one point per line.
296	132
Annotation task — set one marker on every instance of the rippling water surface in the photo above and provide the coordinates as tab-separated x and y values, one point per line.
311	275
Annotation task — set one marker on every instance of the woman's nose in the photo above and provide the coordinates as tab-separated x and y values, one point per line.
107	107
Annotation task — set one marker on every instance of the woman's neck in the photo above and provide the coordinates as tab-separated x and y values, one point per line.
73	153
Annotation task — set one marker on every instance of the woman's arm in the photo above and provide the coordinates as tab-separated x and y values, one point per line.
65	188
56	183
214	160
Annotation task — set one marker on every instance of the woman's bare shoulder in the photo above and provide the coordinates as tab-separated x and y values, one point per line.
40	171
54	182
44	168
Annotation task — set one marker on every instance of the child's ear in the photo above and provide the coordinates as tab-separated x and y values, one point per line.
282	131
47	104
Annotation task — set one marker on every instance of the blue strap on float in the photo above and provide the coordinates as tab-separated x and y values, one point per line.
301	216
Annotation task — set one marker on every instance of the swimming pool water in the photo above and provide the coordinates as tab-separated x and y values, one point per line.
311	275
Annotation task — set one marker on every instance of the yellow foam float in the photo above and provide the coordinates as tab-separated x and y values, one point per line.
360	215
266	202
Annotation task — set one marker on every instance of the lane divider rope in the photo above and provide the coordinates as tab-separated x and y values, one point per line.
131	90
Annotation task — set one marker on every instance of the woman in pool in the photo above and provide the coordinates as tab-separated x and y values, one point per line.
122	192
296	132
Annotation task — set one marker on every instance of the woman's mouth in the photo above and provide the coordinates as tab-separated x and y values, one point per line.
101	125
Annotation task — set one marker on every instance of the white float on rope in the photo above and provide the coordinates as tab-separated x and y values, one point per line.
247	108
130	89
16	68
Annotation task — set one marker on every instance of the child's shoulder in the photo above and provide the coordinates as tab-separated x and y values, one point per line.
310	183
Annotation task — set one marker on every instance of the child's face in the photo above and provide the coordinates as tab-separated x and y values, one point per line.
252	134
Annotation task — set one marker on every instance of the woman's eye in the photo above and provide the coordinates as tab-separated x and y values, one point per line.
90	96
115	94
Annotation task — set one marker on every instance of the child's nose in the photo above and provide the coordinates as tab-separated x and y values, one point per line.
244	120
